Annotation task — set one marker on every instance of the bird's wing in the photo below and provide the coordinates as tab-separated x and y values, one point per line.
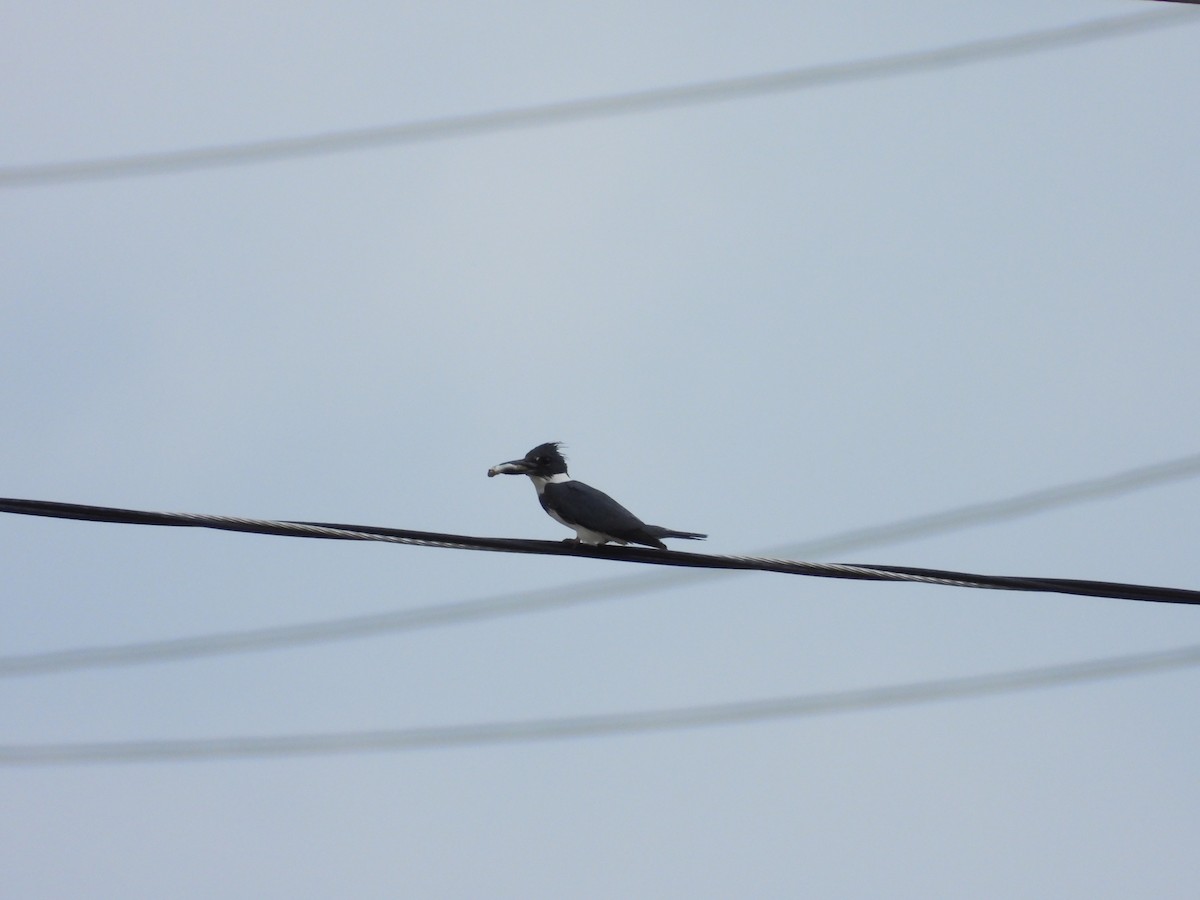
581	504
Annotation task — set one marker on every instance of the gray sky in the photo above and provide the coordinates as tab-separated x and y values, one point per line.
770	319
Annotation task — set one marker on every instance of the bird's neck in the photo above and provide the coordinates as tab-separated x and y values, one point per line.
540	481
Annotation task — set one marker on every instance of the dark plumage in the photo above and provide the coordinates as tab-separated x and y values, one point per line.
596	517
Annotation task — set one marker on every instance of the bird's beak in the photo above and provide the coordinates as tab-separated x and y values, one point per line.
515	467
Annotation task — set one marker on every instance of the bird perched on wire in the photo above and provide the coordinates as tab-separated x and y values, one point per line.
596	517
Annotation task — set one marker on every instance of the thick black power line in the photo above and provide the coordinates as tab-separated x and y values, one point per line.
645	556
520	602
661	720
588	108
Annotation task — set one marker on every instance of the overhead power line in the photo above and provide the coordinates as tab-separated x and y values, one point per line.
860	572
540	115
527	731
520	602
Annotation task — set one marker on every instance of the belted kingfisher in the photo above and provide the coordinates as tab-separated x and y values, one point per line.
596	517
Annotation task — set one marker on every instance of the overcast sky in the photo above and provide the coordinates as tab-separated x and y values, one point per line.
769	319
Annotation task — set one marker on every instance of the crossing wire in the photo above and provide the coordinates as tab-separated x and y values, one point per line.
653	100
591	726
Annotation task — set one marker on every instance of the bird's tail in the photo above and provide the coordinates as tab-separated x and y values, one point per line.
659	532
